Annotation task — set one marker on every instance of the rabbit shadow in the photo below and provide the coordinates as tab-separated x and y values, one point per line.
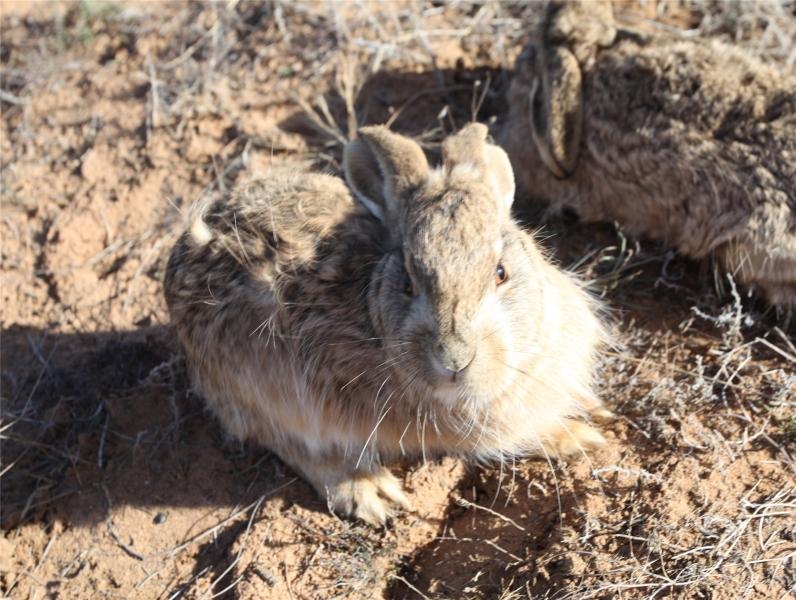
425	105
101	420
500	529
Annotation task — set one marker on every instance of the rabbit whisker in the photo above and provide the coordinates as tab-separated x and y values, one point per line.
553	473
513	482
373	431
502	456
401	439
378	392
581	448
386	362
370	339
423	435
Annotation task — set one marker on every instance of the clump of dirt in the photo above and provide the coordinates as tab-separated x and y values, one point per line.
115	481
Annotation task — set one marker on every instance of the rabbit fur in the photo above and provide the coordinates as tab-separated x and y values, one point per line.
691	142
343	334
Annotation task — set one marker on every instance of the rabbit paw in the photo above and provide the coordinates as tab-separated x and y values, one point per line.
368	496
574	437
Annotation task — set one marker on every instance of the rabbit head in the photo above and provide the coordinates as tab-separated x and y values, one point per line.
446	294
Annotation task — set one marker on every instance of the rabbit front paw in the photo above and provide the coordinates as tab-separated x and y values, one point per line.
369	496
574	437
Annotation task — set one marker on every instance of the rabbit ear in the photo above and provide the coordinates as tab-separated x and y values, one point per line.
556	109
466	146
364	177
500	174
380	166
469	147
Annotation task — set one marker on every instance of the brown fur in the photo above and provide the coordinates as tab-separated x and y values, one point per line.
291	301
687	141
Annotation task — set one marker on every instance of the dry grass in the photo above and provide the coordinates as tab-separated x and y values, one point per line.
114	481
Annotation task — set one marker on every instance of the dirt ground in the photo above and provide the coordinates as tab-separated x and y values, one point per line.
117	483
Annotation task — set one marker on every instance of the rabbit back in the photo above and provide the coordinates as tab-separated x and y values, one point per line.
253	283
686	141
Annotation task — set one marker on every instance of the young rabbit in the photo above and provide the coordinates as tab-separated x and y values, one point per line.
691	142
420	320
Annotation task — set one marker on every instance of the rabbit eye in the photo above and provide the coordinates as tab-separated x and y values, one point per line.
501	274
407	285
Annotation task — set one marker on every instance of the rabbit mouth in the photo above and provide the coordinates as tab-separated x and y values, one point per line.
443	377
447	394
442	384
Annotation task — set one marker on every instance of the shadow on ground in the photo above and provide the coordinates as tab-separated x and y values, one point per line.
108	418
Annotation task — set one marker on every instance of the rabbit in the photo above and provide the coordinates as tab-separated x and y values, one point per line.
691	142
403	315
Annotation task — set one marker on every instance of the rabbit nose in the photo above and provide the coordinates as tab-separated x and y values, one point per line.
454	358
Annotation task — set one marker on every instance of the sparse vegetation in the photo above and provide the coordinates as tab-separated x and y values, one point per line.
116	483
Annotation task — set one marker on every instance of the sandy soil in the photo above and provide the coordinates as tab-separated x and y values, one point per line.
116	482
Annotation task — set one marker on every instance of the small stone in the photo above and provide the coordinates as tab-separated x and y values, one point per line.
265	575
159	519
